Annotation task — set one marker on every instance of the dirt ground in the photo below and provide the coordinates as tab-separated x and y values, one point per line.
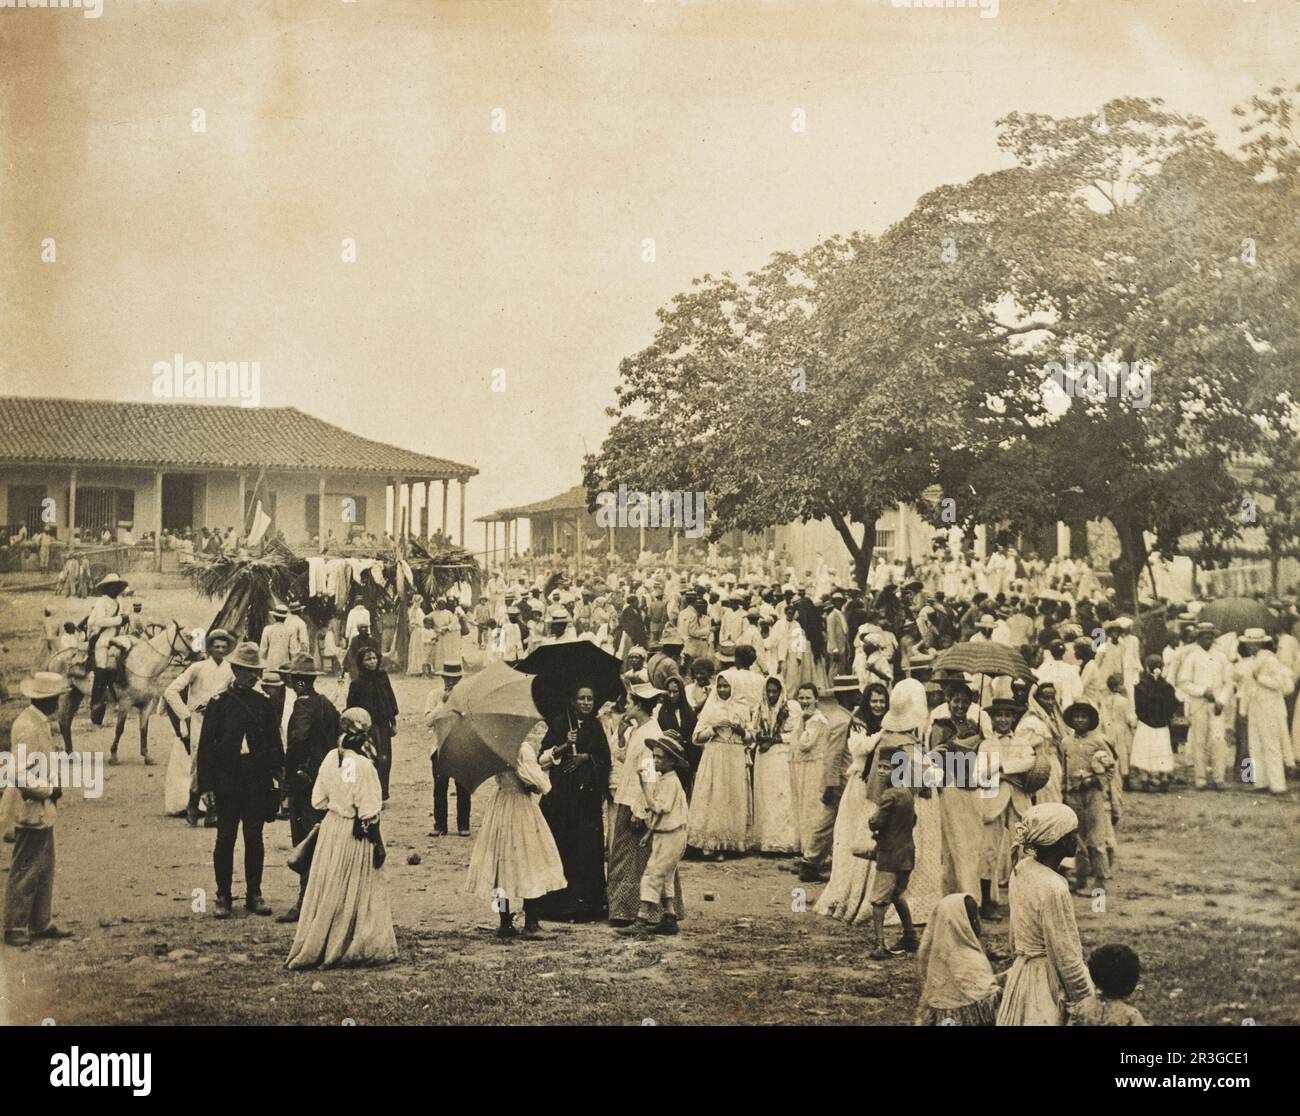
1206	890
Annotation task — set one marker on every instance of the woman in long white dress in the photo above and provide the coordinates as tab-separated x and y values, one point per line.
1048	969
721	808
844	896
346	918
515	859
415	657
777	721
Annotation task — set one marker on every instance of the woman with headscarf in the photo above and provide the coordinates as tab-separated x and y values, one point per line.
675	713
372	691
776	725
958	988
575	754
846	890
721	808
1042	728
346	918
1151	756
1048	971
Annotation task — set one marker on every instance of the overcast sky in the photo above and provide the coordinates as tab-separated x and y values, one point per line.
518	249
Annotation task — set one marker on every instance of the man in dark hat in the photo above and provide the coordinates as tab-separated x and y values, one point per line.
451	675
241	762
312	734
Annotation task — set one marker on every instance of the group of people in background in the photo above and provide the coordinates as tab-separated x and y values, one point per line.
790	718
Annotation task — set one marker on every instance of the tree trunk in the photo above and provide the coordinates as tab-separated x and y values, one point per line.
1128	566
861	552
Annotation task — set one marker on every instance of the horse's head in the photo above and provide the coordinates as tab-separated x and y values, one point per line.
171	642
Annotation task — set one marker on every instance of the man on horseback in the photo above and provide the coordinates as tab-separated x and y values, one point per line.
106	619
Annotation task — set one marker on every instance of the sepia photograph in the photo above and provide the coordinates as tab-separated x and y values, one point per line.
661	513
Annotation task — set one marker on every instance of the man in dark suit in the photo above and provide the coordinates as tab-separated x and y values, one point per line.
313	733
241	761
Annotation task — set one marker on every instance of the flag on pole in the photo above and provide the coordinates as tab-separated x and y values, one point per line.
261	521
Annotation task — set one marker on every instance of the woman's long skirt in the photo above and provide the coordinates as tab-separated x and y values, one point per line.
346	918
805	800
383	741
845	894
1033	995
774	826
962	833
720	801
415	651
514	855
575	814
1152	752
176	783
627	862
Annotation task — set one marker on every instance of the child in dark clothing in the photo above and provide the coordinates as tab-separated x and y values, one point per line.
895	856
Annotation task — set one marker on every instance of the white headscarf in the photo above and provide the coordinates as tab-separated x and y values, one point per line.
953	968
1044	825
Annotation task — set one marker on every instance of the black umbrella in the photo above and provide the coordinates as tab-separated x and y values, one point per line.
562	667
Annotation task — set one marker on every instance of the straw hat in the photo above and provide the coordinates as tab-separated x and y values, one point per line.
1254	635
111	579
671	743
908	710
219	633
846	684
671	638
645	691
246	655
1094	718
452	670
44	684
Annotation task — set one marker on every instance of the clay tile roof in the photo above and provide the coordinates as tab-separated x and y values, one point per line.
199	436
571	500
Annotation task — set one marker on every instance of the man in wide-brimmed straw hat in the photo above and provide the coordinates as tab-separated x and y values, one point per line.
312	733
187	697
279	642
1205	681
241	761
32	802
105	620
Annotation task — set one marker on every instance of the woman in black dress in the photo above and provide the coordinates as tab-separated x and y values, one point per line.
372	691
575	751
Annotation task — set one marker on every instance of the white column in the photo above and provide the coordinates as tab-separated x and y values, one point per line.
981	542
904	548
72	501
1062	539
463	484
445	486
320	513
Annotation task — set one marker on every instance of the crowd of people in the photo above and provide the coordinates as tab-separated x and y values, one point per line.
809	723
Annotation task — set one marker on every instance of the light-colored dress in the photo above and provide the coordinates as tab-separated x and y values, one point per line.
807	766
721	807
415	650
514	855
774	825
1048	971
346	918
844	896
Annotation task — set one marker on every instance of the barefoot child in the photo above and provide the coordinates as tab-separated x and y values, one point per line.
895	856
665	812
1088	781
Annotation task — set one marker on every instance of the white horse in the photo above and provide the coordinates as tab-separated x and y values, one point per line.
142	668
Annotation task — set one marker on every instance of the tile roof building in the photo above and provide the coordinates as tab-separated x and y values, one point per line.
99	465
